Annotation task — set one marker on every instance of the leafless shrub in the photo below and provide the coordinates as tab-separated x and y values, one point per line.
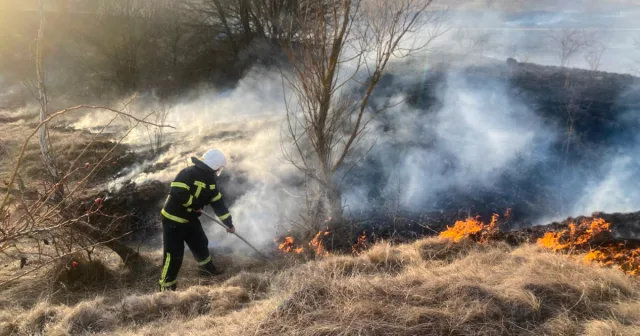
156	134
35	228
567	43
593	55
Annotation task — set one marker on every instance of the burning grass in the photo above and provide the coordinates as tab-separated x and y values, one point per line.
471	228
590	239
315	246
617	256
587	237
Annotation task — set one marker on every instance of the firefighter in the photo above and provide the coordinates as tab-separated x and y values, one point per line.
193	188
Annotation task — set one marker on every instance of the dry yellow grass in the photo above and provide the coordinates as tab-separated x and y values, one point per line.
425	288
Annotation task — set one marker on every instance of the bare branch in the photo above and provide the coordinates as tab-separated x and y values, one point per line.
334	46
44	122
56	259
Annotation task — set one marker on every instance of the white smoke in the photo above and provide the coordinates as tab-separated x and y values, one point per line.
615	189
243	122
471	140
615	192
475	136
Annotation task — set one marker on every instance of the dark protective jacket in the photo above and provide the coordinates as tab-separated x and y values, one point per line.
194	188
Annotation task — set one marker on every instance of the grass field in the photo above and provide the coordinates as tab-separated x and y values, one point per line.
429	287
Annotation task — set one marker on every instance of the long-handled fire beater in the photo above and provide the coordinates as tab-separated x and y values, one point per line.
237	235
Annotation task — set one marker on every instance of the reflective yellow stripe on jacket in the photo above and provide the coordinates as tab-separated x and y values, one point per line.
174	218
189	202
180	185
200	186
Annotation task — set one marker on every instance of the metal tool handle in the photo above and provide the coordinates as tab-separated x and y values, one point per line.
237	235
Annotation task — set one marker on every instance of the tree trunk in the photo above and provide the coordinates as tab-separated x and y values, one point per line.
245	19
259	30
334	196
225	24
43	99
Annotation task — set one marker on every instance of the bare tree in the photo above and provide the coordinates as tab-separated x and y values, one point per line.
242	20
223	19
122	35
340	40
593	56
568	42
275	18
594	50
47	156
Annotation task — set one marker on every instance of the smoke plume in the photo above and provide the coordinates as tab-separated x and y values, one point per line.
467	132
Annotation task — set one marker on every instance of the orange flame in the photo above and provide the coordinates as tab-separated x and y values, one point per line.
579	237
317	245
471	227
361	245
551	240
287	246
628	260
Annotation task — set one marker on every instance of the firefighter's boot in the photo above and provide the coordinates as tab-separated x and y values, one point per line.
171	288
209	269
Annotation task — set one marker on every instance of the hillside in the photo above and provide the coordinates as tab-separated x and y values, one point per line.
396	169
429	287
483	137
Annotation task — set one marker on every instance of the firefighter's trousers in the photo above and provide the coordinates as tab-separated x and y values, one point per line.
174	236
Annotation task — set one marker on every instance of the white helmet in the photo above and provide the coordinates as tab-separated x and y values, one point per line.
215	159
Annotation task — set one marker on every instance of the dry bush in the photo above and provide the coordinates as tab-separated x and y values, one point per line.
485	291
39	317
84	274
251	282
392	259
608	328
47	223
8	328
98	316
88	316
344	266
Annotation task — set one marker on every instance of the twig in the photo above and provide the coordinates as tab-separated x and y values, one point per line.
56	259
427	227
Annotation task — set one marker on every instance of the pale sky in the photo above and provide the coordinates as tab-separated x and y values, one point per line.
549	5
